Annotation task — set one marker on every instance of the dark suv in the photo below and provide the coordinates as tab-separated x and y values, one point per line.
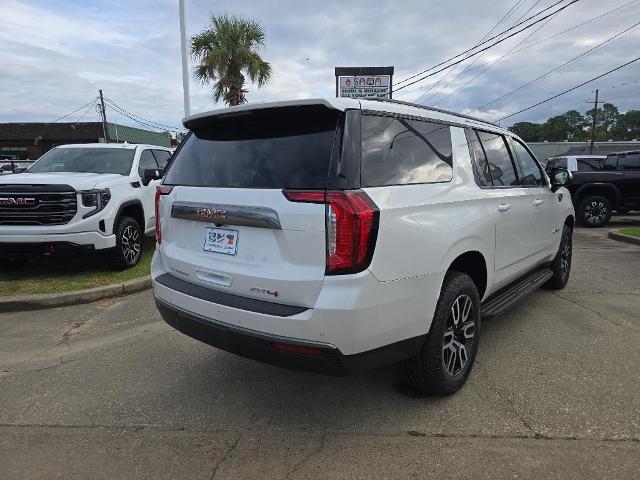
596	194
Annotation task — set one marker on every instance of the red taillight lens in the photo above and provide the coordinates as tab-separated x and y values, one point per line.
289	348
351	226
160	190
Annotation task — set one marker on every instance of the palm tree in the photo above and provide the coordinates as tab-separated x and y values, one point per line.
226	52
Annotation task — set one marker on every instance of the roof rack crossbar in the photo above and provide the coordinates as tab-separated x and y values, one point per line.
425	107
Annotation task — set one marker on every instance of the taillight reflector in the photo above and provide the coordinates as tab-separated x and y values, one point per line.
289	348
351	220
160	190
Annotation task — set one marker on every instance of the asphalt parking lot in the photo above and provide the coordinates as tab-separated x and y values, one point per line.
107	390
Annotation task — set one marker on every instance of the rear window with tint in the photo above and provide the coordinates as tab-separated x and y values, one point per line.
288	147
589	164
400	151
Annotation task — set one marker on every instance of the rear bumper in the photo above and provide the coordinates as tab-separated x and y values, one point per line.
35	244
325	358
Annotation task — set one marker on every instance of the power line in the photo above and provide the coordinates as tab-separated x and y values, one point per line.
126	113
466	68
497	60
570	89
71	113
480	43
545	75
144	124
490	46
486	41
93	103
491	63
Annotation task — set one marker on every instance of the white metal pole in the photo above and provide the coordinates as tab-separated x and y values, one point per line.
185	62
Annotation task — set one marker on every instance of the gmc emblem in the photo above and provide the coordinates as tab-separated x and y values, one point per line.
17	201
210	212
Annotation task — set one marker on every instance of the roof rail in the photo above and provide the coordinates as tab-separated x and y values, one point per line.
424	107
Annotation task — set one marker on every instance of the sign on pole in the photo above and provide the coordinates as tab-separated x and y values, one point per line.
359	82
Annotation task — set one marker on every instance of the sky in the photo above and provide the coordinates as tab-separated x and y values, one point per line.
56	54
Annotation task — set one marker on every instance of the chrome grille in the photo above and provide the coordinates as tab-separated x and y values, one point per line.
37	204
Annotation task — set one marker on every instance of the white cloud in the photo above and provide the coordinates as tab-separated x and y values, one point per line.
56	54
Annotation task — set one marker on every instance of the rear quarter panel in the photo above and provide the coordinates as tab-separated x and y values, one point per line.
424	228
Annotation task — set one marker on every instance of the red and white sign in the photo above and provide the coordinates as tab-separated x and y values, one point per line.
359	86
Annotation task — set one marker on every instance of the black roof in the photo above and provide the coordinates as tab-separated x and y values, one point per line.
626	152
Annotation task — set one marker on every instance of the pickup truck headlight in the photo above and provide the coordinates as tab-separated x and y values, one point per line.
97	199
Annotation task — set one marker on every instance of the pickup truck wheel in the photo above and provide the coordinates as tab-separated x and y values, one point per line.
595	211
128	248
561	265
448	354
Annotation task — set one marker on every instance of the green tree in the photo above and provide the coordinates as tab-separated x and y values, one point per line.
574	124
609	116
627	126
528	131
226	52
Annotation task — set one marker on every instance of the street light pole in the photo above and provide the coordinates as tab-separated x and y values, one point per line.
185	63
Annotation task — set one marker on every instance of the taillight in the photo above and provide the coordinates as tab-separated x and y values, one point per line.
351	220
160	190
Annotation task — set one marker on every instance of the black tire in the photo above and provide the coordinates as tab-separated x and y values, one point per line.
128	248
432	370
561	265
12	264
595	211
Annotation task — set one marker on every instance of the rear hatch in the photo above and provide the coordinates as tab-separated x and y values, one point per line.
225	223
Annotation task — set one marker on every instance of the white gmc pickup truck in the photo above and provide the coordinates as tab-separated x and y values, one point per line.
79	198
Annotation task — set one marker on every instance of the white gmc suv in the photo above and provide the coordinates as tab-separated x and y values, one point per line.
338	235
83	197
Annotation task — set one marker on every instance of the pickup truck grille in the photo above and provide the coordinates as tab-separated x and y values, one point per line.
37	204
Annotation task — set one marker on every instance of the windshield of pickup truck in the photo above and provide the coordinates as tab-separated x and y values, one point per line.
95	160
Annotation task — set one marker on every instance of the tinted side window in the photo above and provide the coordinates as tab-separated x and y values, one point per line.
499	159
146	161
399	151
611	162
531	173
589	164
162	157
630	162
484	176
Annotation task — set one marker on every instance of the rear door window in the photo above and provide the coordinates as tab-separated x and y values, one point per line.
587	164
288	147
531	172
498	159
629	162
401	151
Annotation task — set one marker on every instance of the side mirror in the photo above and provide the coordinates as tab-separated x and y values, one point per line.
560	177
151	174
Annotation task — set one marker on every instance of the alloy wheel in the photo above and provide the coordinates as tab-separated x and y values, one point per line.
458	337
131	245
595	212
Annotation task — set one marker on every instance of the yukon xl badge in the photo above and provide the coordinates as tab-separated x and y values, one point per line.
17	201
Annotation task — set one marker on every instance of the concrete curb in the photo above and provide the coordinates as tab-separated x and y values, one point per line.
621	237
51	300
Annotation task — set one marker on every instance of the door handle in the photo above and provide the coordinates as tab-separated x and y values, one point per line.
503	207
537	202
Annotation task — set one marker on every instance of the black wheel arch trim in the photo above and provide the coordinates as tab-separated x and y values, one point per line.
124	205
583	191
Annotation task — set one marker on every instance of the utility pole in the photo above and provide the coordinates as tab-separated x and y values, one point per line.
593	124
185	64
103	114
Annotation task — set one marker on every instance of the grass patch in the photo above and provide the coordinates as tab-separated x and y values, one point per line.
633	232
65	274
